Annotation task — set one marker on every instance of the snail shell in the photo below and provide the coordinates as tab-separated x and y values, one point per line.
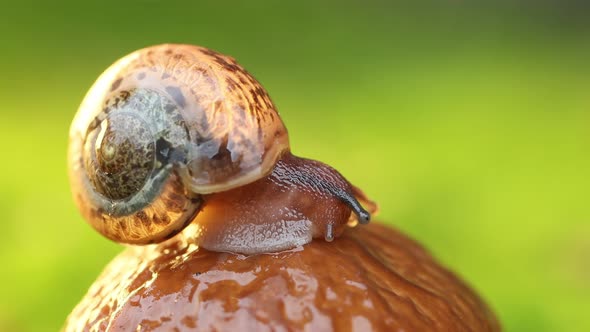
167	127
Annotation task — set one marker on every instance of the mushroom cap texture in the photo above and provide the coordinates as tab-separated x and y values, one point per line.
372	278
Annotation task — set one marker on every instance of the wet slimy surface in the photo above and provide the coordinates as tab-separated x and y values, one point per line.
370	278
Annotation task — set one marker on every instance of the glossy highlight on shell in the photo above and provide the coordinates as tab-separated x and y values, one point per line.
167	130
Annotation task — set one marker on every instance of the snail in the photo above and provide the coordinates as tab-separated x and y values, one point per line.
176	135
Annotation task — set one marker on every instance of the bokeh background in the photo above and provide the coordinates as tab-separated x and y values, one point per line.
468	121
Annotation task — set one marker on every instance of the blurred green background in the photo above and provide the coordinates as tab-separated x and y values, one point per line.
469	122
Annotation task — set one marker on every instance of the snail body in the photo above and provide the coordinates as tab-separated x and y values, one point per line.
173	135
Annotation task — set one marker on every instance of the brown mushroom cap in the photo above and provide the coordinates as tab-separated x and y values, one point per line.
371	278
